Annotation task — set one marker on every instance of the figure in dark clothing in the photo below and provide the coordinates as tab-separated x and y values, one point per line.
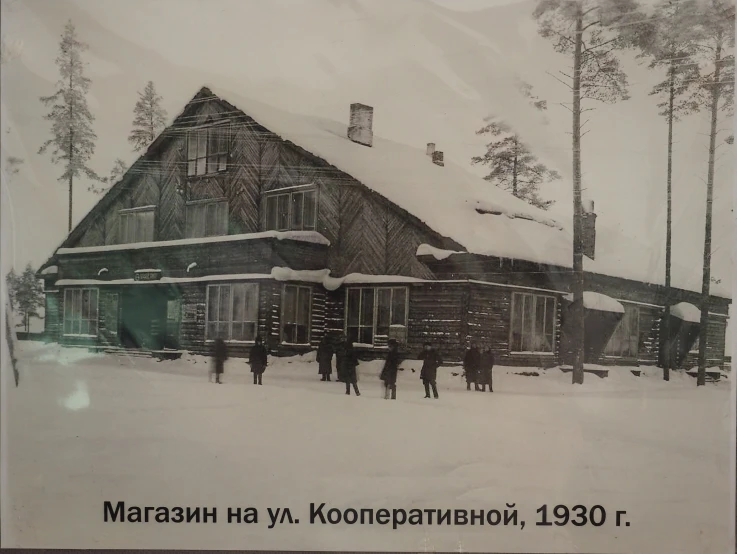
431	360
258	359
471	365
340	360
325	359
350	363
487	364
389	373
219	355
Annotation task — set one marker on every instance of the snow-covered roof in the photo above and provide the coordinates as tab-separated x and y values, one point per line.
597	301
687	312
317	276
304	236
457	204
51	270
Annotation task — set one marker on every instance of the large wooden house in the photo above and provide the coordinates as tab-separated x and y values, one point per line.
244	220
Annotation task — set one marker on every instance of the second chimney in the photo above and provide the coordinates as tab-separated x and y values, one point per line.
437	158
430	148
360	128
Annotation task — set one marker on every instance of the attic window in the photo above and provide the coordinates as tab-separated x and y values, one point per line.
207	150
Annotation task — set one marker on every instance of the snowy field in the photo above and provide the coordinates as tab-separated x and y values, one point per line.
83	429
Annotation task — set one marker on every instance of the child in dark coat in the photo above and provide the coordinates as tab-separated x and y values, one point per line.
219	355
471	364
350	363
431	361
389	373
257	359
324	359
487	364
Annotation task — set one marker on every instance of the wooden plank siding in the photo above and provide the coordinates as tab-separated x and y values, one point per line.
436	316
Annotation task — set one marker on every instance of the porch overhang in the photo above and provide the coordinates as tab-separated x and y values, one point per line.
686	312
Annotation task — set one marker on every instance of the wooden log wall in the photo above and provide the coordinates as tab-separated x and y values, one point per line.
436	316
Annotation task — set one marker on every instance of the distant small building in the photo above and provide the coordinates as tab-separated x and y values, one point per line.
244	221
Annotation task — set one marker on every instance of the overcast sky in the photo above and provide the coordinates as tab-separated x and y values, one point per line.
431	73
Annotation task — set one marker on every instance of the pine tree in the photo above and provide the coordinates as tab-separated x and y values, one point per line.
715	93
26	294
149	118
589	32
514	167
73	140
669	41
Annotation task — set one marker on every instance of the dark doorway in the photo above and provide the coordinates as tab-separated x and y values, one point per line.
143	317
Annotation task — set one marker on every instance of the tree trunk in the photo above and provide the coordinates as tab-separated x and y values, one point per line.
668	230
71	158
577	313
706	277
514	167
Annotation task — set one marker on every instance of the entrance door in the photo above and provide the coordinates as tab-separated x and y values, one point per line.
173	321
143	318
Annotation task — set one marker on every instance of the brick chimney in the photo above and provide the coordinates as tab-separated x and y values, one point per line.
437	158
361	123
588	224
430	148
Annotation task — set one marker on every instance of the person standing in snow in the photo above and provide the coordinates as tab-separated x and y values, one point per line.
350	365
325	359
389	373
431	360
258	359
340	359
487	364
471	363
219	355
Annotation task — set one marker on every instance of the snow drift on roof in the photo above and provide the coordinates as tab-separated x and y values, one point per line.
687	312
437	253
51	270
597	301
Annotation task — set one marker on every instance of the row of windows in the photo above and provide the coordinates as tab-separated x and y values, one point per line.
371	312
290	211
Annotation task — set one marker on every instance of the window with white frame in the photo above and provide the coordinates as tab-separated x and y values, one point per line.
137	225
295	321
533	323
372	311
625	341
291	211
207	218
232	311
207	150
80	311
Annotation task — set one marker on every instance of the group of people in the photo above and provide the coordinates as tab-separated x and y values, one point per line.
477	365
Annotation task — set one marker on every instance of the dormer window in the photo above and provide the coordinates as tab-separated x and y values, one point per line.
207	150
293	210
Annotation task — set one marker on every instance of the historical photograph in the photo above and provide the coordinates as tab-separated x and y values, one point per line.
351	275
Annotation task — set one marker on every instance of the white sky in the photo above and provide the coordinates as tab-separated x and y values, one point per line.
431	73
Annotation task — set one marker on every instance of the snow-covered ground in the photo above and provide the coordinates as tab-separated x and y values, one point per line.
83	429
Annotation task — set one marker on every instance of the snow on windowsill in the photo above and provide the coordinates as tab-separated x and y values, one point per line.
304	236
150	270
80	336
531	353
